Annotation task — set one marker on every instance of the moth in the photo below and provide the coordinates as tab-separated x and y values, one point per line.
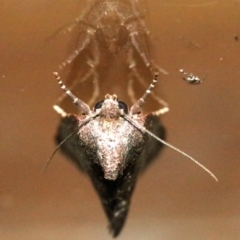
112	144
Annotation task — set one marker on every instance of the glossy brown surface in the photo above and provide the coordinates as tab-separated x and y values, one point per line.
174	199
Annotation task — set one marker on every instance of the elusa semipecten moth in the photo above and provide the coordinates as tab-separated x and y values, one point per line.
112	145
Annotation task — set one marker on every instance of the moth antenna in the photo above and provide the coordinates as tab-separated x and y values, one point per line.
56	149
143	129
84	108
137	106
183	153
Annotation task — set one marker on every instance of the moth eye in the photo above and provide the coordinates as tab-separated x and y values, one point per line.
98	105
123	106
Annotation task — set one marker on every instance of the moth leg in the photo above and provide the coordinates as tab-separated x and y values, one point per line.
59	110
93	64
140	16
132	67
96	90
139	35
165	108
140	79
136	41
130	91
79	19
73	85
84	41
82	106
95	93
67	28
92	72
139	38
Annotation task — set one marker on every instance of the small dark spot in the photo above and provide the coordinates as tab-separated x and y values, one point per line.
236	38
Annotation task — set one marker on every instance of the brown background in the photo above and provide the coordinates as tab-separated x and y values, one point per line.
174	199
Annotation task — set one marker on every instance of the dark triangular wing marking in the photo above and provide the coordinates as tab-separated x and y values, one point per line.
71	148
152	147
115	195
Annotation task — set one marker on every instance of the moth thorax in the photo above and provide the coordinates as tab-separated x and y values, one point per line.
110	110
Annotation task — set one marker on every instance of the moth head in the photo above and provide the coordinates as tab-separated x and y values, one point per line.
111	107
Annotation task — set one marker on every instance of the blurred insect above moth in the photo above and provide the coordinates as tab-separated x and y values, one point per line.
112	41
116	24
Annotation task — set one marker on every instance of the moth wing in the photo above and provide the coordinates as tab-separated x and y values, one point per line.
152	148
71	148
115	195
